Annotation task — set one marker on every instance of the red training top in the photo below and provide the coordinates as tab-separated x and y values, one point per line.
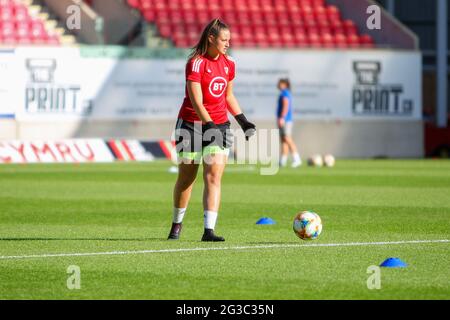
213	75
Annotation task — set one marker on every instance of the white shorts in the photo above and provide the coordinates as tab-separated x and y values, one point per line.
286	130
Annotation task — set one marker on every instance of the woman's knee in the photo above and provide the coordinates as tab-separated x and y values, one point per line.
186	177
213	177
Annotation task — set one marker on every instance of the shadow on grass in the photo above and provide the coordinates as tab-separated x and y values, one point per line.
81	239
259	243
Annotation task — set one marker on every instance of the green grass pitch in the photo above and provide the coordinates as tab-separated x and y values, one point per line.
125	207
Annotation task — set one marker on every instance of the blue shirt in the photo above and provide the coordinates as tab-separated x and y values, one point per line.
285	94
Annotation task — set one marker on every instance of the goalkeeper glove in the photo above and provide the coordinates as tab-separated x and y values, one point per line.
212	132
248	127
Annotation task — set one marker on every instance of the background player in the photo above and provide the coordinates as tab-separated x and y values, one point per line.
285	124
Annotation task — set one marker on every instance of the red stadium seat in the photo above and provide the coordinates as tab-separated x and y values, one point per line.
213	5
246	34
325	30
149	15
254	6
231	18
302	42
266	5
318	3
243	16
353	41
176	16
189	16
312	30
146	5
236	43
53	40
162	16
134	3
165	29
174	5
350	27
260	34
160	5
333	13
286	30
327	41
315	40
288	40
366	41
21	13
257	17
203	17
341	41
6	14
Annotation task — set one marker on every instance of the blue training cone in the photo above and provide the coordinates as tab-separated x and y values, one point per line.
393	263
265	220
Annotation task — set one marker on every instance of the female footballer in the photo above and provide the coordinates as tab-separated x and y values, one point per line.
285	124
202	131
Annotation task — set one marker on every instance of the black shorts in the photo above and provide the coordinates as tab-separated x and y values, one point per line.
191	141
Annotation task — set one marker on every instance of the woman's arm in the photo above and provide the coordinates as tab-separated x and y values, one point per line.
284	111
233	104
196	96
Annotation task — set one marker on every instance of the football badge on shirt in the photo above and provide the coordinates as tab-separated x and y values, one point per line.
226	70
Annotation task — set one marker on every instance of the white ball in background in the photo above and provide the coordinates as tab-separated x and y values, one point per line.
173	169
315	160
329	160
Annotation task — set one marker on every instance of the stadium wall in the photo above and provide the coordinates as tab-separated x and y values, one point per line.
353	104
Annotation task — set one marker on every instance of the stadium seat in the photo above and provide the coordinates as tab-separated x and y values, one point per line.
366	41
350	27
134	3
353	41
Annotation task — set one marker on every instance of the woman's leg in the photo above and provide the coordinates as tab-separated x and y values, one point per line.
284	152
187	172
291	145
213	168
296	160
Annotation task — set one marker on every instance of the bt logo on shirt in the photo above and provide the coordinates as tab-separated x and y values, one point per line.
217	86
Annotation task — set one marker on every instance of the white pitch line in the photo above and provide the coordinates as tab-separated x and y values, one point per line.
112	253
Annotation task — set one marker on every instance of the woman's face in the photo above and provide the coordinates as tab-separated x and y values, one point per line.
222	42
282	85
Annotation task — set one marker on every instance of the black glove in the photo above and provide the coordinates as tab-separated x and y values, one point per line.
248	127
209	125
212	132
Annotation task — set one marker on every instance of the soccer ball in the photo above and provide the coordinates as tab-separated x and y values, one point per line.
307	225
315	160
329	160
